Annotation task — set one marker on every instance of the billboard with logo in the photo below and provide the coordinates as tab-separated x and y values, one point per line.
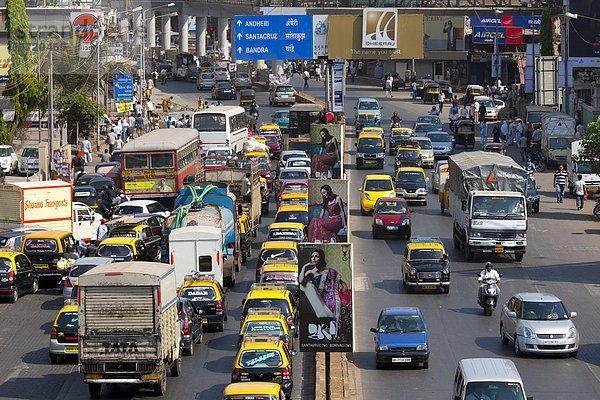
584	33
444	33
328	210
379	29
326	148
504	34
345	39
87	25
320	28
325	297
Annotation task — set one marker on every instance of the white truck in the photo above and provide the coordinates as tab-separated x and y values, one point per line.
196	249
47	204
129	330
580	167
487	202
558	130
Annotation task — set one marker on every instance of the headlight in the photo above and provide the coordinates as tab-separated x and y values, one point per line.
445	271
360	155
367	196
521	235
400	191
528	333
422	347
572	332
382	348
405	222
422	190
413	271
475	234
378	221
380	155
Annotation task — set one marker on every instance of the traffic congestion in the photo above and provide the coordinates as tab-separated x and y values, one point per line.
189	240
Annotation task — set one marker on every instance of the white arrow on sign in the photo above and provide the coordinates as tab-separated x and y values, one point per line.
239	50
239	22
239	36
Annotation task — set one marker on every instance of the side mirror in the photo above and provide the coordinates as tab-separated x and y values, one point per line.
381	108
355	107
294	352
538	187
243	301
511	314
374	330
529	397
573	314
359	189
463	205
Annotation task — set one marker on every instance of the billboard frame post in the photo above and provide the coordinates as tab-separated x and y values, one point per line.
327	375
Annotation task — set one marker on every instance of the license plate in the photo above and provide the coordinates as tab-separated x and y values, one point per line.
71	349
392	228
551	342
592	189
369	162
40	265
499	249
401	359
429	287
205	320
411	195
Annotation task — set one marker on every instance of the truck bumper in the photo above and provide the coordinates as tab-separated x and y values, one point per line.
120	380
492	246
421	284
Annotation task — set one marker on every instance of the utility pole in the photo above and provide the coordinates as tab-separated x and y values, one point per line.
51	115
98	93
39	111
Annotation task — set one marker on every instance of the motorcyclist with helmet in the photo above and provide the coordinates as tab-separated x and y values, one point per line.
488	272
434	111
395	120
105	199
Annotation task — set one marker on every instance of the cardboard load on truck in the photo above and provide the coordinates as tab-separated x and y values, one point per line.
478	170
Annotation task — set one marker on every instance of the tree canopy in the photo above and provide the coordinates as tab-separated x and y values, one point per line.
590	149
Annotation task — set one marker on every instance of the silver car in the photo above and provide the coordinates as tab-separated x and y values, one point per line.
81	266
441	142
538	323
30	160
205	81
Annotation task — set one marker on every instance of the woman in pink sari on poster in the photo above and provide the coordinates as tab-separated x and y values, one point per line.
328	156
325	228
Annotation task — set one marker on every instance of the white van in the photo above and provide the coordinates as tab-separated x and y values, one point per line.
196	249
488	378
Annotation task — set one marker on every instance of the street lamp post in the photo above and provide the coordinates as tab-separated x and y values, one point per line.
496	62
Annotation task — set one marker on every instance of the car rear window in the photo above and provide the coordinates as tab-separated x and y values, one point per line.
41	246
68	320
5	264
290	175
284	89
114	251
278	253
198	293
30	152
266	303
292	216
291	234
260	359
279	277
273	327
79	270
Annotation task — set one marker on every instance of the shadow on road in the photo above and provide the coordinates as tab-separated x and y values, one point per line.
222	365
213	392
390	286
467	310
226	342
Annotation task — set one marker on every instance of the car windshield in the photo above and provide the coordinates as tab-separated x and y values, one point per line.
79	270
241	76
503	207
378	185
401	324
115	250
5	264
207	75
367	118
260	359
266	303
292	216
559	143
128	210
368	105
494	390
270	327
429	119
426	254
400	134
439	137
293	175
584	168
278	253
198	293
68	320
299	163
424	144
224	85
41	246
4	152
30	152
425	128
543	310
370	142
410	177
391	207
486	103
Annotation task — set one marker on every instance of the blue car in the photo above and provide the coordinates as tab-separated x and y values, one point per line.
401	338
282	118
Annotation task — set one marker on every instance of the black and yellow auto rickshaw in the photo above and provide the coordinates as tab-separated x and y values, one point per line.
464	133
247	97
431	92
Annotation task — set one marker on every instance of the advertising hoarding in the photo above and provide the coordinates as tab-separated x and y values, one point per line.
584	33
444	33
505	34
379	28
327	210
337	91
320	28
326	149
325	297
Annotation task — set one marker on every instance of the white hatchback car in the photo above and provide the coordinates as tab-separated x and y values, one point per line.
9	162
140	207
538	323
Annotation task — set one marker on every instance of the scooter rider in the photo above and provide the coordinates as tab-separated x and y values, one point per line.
395	120
105	199
488	272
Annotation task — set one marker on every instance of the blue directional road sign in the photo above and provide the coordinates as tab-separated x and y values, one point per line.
123	88
273	37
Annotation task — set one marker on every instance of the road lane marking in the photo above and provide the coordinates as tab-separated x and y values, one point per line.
592	288
361	284
16	371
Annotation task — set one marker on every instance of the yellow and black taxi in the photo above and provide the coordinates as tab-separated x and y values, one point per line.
425	264
265	193
17	275
370	150
126	248
269	321
293	198
259	156
398	135
45	248
373	188
292	213
366	119
431	92
301	143
246	234
253	391
411	183
63	336
286	231
137	225
272	134
408	156
281	271
263	358
272	295
207	295
276	249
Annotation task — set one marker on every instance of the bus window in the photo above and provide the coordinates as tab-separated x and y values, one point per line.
161	161
210	122
136	161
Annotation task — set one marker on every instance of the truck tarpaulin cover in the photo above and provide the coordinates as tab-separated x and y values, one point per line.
555	124
480	170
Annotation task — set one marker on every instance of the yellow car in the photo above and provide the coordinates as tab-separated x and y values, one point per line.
375	187
269	321
63	336
425	264
271	295
276	249
281	271
299	143
259	156
411	183
45	248
206	294
263	358
269	129
253	391
293	198
373	129
122	249
297	213
17	275
286	231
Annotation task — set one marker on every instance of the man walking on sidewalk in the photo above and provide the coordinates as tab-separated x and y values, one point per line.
560	182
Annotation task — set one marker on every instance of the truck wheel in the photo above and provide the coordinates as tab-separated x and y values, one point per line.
244	258
176	366
160	388
35	286
188	352
455	241
95	389
519	257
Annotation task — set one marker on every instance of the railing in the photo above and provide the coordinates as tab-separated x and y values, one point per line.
402	3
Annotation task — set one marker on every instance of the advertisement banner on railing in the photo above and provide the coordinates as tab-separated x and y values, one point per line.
521	21
505	35
327	210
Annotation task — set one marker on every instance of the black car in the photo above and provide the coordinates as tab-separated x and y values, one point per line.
17	278
426	274
190	322
224	90
408	158
533	197
411	184
370	152
397	138
398	82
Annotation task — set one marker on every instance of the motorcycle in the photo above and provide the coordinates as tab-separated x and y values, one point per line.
597	208
488	295
537	157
